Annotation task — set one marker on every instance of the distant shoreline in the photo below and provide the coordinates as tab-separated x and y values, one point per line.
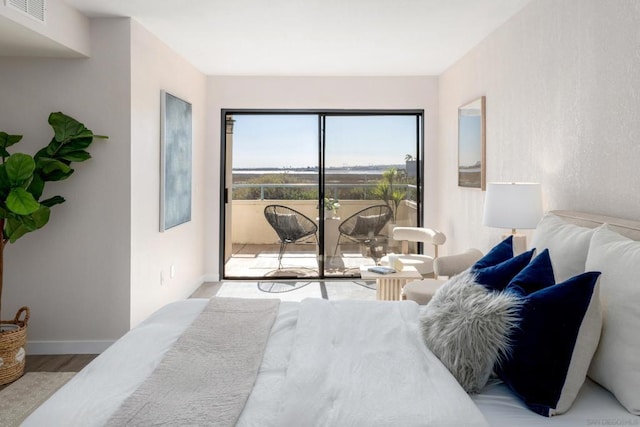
308	172
343	178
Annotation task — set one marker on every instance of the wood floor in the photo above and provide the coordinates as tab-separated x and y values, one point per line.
56	363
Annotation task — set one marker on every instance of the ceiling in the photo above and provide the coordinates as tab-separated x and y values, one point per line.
315	37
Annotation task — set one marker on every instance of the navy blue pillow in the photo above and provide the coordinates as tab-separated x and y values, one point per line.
499	253
497	277
535	276
540	363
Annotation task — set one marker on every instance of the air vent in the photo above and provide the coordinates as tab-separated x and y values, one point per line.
33	8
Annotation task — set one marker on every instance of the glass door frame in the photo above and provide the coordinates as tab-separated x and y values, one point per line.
225	187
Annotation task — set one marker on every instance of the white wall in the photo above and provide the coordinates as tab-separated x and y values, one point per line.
154	67
94	270
312	93
74	273
563	95
65	32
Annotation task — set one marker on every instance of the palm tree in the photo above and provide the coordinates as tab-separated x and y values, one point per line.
391	195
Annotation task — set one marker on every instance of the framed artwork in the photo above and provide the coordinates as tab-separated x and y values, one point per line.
175	161
471	144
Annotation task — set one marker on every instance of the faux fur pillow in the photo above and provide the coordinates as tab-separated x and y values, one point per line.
467	327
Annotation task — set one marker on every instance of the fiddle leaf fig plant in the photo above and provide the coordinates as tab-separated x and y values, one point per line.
23	178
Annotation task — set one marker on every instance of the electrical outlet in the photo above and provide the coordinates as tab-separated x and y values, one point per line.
172	271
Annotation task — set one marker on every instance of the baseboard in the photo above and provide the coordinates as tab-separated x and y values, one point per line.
67	347
211	278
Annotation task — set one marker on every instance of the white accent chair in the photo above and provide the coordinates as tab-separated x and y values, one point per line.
421	291
428	236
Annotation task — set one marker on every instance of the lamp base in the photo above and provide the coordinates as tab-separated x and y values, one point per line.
519	243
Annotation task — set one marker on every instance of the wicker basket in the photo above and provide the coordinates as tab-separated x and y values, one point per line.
12	352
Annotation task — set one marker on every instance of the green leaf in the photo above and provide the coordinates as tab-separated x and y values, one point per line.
41	153
41	216
77	156
4	153
7	140
19	168
13	229
49	165
57	175
66	127
22	202
53	170
75	144
52	201
18	226
36	187
52	148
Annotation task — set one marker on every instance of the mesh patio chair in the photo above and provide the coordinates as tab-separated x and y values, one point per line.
364	227
290	225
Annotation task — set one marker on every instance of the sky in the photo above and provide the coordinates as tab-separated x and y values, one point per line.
269	140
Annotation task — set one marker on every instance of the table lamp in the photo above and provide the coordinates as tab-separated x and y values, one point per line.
514	205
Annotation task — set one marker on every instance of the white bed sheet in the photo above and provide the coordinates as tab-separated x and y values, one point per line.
97	391
594	406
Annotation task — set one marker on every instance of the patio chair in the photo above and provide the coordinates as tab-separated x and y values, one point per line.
364	227
290	225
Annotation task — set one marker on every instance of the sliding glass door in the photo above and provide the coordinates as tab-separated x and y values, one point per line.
296	184
369	167
271	201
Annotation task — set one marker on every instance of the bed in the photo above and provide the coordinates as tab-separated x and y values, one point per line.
343	362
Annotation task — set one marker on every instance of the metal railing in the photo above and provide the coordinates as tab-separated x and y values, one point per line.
331	190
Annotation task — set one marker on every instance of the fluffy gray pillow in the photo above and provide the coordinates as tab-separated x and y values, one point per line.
467	327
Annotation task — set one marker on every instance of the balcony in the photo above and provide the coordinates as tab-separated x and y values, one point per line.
253	248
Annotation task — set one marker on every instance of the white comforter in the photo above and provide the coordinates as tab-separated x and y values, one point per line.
327	363
354	363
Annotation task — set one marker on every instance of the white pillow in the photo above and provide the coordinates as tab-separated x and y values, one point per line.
568	245
616	363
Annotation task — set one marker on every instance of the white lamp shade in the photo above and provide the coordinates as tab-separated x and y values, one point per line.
512	205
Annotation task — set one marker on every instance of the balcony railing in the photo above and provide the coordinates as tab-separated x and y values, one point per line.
248	224
331	190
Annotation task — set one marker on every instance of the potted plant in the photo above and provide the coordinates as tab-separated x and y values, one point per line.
331	206
22	181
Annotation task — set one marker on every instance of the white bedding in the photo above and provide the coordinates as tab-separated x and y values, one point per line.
96	392
594	406
341	358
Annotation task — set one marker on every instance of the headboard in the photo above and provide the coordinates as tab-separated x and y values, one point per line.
626	227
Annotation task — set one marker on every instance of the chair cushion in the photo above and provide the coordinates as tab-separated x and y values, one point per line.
367	225
421	291
450	265
422	263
